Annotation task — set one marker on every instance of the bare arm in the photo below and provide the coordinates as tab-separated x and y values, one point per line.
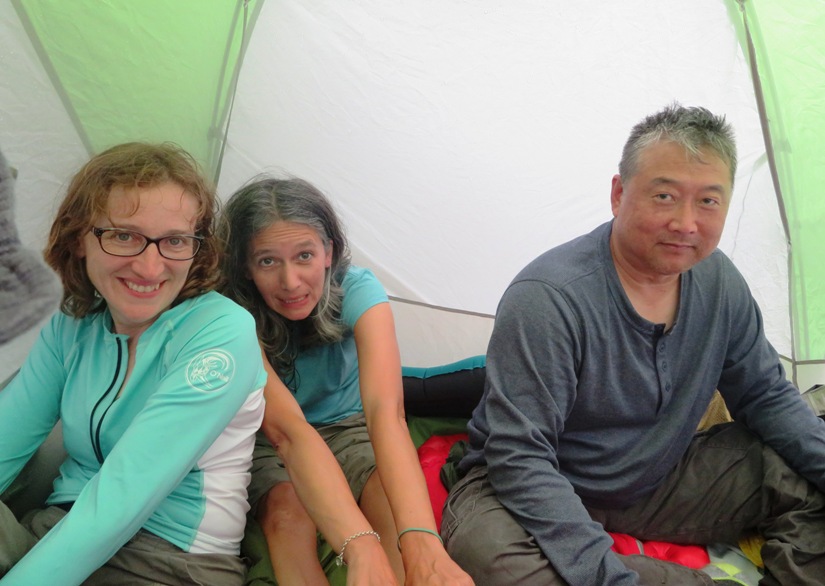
425	560
320	484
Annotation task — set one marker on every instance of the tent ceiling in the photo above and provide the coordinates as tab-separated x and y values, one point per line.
458	139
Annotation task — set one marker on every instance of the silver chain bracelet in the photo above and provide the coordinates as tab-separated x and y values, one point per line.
339	559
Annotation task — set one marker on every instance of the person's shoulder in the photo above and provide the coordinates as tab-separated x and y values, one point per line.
203	324
719	268
361	291
211	300
67	326
62	329
357	274
66	334
208	307
570	261
716	279
362	280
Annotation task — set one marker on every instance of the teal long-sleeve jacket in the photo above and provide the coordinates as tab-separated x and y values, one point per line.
169	451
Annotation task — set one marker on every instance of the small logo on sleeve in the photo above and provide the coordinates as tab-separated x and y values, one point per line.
210	370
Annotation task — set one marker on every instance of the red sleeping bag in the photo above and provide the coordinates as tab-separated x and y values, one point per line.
433	453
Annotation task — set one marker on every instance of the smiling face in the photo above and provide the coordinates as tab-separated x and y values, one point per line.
670	214
287	262
137	289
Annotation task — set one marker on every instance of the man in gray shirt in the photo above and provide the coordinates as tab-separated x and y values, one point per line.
605	354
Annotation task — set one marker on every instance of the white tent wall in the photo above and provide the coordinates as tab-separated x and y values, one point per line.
461	139
38	138
457	139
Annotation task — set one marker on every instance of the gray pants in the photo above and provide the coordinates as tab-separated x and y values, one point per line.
727	483
145	560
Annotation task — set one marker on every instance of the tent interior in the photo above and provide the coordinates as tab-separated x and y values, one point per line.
458	140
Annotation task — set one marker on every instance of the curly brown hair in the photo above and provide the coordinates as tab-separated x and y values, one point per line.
128	166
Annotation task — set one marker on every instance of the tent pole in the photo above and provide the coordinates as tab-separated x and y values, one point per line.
769	149
222	125
53	77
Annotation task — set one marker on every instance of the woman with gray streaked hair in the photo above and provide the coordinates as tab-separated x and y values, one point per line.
327	330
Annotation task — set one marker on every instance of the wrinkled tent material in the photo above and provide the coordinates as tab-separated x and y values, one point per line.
789	56
153	69
458	140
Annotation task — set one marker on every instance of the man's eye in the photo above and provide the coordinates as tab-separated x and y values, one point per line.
305	256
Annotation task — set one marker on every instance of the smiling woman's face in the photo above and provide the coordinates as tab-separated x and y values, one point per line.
287	262
137	289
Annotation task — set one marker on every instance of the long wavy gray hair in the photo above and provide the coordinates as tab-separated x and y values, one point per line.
255	207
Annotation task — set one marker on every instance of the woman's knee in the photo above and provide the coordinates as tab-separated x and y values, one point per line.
373	489
281	508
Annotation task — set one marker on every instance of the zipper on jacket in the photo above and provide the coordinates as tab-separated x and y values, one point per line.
94	432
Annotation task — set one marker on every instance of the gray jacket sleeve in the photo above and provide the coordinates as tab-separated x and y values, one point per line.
758	393
532	362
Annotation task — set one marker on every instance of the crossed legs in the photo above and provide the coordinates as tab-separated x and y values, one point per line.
727	483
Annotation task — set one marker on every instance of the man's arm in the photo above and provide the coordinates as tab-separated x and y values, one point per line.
759	395
532	385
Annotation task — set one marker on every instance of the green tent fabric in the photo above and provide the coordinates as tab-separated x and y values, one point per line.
789	46
159	70
151	70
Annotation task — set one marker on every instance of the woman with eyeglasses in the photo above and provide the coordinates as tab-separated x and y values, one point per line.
157	380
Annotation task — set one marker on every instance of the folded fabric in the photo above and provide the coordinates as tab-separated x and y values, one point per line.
692	556
433	454
28	289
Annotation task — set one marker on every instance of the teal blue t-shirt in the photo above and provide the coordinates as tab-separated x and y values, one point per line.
326	384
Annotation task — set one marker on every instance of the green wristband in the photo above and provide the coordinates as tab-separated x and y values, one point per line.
419	529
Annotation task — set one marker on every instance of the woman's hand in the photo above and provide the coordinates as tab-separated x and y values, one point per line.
321	486
427	563
367	564
424	558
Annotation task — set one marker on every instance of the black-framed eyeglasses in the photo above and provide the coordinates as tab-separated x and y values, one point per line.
119	242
